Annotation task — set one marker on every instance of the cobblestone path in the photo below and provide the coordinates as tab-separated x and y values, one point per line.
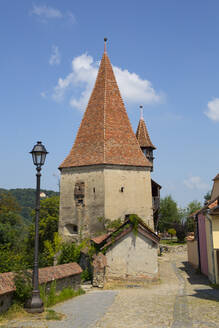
181	299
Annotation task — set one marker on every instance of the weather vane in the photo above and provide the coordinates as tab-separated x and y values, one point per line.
141	111
105	41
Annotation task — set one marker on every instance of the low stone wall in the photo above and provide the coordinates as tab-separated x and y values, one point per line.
5	301
65	275
173	249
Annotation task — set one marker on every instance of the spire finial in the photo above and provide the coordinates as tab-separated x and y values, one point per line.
105	41
141	111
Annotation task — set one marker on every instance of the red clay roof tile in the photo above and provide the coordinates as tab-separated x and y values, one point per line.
45	275
105	135
143	136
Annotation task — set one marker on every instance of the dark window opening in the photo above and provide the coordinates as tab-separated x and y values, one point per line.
75	228
122	189
71	228
94	190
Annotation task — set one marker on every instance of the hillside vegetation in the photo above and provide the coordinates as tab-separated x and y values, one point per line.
26	199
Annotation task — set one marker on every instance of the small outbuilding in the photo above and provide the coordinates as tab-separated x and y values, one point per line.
130	253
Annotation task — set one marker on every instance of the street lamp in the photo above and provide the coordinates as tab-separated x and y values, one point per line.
35	304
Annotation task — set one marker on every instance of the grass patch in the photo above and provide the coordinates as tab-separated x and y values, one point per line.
171	242
52	297
16	311
53	315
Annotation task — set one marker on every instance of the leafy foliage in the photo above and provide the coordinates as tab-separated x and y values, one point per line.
112	224
169	214
48	222
191	208
51	297
70	252
23	283
26	199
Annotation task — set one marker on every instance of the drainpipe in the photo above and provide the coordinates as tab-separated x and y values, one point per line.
212	245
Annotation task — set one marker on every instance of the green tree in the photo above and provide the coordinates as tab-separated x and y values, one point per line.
11	223
169	214
48	227
192	207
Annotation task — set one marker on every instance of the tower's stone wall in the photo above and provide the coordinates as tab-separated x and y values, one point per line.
83	211
90	193
128	191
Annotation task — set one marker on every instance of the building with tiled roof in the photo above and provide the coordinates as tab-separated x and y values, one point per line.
203	249
105	175
130	254
147	148
215	188
144	140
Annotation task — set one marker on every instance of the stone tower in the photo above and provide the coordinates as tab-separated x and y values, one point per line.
144	140
105	174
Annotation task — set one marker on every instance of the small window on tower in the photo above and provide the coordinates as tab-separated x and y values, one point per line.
94	190
75	228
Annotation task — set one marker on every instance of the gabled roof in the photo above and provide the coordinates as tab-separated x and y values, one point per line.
105	135
123	230
143	136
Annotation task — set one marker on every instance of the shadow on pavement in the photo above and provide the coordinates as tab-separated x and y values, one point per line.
194	278
207	294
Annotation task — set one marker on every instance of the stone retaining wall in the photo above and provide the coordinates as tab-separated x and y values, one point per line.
65	275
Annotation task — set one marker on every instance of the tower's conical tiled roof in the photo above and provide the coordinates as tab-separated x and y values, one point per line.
143	136
105	135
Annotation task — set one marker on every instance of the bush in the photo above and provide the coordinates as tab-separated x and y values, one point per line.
51	297
181	234
70	252
23	283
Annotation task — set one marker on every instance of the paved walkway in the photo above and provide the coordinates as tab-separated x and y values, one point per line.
182	299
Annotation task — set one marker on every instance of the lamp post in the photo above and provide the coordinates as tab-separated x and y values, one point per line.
35	304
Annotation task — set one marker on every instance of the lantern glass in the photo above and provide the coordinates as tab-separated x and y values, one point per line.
39	154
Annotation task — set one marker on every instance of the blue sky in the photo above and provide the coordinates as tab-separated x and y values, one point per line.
165	55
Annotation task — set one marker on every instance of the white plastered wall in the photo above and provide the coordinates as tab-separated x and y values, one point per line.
132	257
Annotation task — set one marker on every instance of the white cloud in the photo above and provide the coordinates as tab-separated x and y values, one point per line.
55	57
213	110
46	12
195	183
80	82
